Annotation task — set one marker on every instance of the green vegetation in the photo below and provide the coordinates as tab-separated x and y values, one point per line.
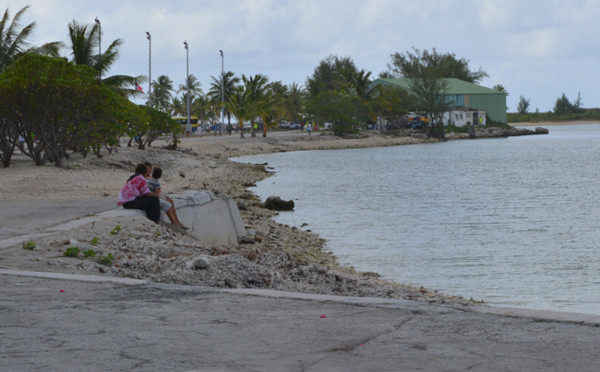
592	114
108	259
29	245
564	110
116	230
71	252
89	253
95	241
61	106
417	63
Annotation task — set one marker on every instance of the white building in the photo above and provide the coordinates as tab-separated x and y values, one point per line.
462	117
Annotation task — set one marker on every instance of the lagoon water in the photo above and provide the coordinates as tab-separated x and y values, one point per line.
513	221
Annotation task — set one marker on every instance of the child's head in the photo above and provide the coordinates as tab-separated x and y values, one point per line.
156	173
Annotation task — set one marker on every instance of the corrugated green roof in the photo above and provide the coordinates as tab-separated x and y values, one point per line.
455	86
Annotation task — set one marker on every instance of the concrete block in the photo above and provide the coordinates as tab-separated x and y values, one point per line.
213	221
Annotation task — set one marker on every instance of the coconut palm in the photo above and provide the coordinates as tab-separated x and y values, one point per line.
294	101
255	91
13	41
195	87
179	106
203	109
161	96
84	45
224	85
269	108
361	80
240	107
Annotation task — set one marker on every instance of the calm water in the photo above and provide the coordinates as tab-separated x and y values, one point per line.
514	222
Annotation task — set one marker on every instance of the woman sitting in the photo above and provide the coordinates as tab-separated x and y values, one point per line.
136	195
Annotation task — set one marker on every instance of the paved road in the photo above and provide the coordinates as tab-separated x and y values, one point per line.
29	217
62	323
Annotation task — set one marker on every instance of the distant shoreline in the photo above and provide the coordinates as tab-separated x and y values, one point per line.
546	123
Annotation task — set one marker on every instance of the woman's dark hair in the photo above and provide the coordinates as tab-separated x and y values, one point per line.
156	173
140	169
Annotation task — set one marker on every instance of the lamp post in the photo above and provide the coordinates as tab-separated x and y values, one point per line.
222	91
99	44
149	63
188	127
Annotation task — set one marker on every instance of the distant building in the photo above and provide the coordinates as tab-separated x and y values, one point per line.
465	96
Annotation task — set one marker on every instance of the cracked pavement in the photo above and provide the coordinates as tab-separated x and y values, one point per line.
100	324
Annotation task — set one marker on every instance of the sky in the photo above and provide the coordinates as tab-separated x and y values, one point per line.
538	49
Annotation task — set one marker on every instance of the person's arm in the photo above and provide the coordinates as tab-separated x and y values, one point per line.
143	187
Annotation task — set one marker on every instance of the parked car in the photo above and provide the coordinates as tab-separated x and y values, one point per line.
294	126
283	124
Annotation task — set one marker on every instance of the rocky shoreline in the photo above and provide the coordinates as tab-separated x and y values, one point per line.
272	256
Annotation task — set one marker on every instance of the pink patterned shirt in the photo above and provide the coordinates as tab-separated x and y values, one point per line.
135	187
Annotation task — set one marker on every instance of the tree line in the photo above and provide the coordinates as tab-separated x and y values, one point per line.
563	110
52	105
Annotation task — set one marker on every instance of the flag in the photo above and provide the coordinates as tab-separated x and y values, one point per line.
139	88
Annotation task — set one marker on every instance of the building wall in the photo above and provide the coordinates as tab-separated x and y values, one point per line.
494	105
465	95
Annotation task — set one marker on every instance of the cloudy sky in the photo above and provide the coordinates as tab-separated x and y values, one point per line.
538	49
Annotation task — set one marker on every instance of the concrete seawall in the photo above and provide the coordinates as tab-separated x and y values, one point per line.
213	220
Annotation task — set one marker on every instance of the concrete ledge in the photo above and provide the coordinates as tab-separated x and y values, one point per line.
536	315
213	221
74	277
540	315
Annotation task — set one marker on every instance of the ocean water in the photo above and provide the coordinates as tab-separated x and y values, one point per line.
512	221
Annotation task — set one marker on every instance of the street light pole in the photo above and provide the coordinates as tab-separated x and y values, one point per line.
188	127
222	92
99	45
149	63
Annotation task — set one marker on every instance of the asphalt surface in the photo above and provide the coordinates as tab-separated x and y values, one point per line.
63	323
58	322
29	217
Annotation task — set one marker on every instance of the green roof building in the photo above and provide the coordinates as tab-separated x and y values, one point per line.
464	95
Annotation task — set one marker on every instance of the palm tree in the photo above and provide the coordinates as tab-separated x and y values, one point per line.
13	42
195	87
269	108
178	108
294	101
240	107
500	88
225	85
84	44
255	92
360	82
161	96
202	108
